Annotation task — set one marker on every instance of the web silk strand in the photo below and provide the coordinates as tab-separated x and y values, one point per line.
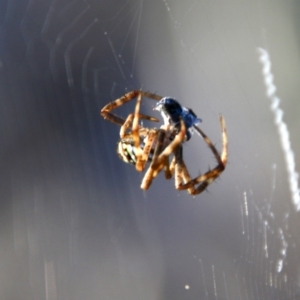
283	132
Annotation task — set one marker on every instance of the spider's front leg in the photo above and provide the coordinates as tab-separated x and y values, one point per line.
106	111
136	136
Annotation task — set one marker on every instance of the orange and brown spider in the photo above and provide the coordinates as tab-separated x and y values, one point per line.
158	144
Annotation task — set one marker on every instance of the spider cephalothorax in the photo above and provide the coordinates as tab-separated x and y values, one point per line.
141	145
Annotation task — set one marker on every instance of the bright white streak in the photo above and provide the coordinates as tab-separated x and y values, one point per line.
281	127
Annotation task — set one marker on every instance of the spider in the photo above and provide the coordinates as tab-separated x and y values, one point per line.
158	144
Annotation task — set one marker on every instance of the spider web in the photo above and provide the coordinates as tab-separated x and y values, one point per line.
74	222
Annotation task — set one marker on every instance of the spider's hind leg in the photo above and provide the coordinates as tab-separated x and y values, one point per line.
182	175
221	159
210	176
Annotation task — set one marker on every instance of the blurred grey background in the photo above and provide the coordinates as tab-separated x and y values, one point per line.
74	222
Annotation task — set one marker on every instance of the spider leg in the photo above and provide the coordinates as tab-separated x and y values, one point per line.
129	146
181	171
172	166
135	133
126	125
126	149
168	171
152	134
151	95
142	155
147	180
222	160
129	121
106	110
203	180
161	157
207	178
177	141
